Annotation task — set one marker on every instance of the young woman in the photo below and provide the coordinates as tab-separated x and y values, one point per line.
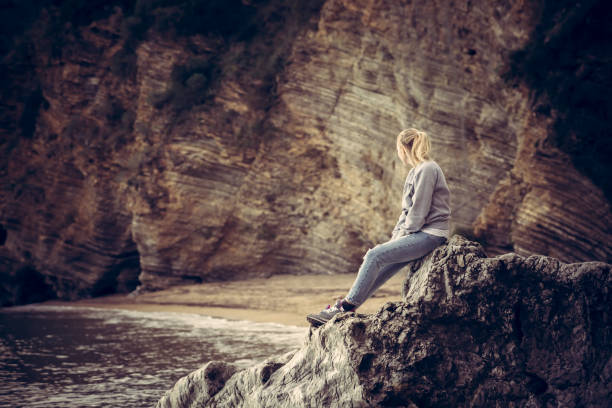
423	225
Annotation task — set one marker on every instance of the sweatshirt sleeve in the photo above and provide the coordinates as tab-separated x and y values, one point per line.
424	184
400	222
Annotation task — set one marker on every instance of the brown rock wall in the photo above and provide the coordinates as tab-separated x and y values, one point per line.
287	164
66	226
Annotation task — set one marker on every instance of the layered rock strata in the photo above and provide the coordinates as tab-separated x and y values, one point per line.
287	164
471	331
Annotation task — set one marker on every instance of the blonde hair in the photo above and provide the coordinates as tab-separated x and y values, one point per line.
415	146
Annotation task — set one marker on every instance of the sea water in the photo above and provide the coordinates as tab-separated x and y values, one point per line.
63	356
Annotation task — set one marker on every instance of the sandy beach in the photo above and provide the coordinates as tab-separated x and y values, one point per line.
285	299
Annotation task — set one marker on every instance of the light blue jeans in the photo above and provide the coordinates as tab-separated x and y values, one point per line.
385	260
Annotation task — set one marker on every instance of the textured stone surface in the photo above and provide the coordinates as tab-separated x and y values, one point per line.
197	388
507	331
68	231
290	166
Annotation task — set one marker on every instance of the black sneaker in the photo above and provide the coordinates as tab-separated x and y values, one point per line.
326	314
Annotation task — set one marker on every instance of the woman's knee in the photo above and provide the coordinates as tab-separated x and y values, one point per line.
370	257
375	256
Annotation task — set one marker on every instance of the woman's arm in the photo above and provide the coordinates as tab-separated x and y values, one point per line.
402	218
400	222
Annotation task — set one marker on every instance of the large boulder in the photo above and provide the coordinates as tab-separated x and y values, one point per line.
507	331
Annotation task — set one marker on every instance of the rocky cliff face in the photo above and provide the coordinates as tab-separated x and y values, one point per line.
471	331
138	153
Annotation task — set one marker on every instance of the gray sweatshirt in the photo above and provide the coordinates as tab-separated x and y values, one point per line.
425	202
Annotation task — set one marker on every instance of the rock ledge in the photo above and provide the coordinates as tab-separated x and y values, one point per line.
472	331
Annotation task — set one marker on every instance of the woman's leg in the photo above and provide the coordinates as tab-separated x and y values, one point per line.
383	261
384	275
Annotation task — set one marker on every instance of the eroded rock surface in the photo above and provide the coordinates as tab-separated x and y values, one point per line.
507	331
197	388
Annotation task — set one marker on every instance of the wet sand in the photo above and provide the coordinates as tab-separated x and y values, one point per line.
285	299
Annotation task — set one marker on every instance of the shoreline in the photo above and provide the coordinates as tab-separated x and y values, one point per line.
282	299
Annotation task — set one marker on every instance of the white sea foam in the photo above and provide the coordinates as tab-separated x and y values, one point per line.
187	324
226	335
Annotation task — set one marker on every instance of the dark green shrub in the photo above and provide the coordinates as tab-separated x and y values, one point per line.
190	85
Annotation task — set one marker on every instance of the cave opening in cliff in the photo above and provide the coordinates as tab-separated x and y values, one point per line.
31	286
3	235
122	277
